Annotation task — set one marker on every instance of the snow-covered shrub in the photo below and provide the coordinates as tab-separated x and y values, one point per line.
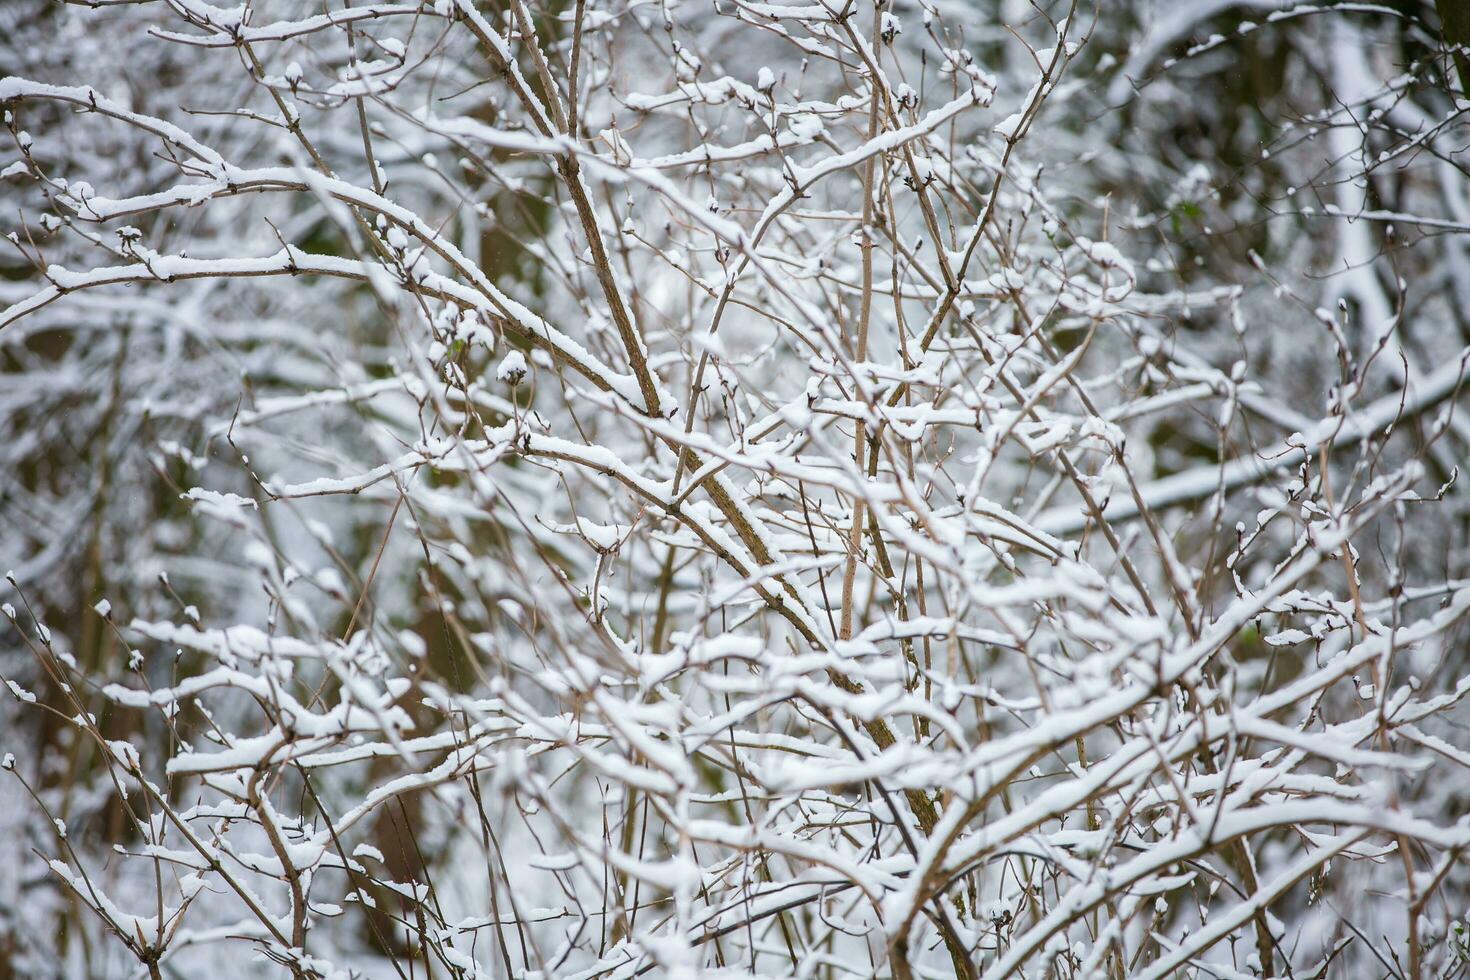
733	488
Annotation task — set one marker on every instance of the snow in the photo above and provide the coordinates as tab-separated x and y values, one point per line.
512	369
924	536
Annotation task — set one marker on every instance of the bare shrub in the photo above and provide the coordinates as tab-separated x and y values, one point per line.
595	490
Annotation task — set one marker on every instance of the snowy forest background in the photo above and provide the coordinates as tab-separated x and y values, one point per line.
904	488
